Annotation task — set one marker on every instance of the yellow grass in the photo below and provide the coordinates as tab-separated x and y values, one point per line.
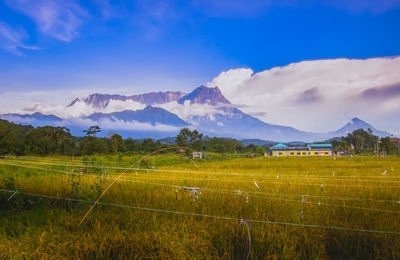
355	195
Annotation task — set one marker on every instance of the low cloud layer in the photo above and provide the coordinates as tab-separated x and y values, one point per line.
55	103
319	95
186	110
108	124
121	125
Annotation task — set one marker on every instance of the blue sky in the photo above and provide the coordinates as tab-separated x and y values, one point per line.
52	51
138	46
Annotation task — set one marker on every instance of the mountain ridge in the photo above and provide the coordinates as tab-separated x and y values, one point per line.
216	117
152	115
354	124
205	95
101	101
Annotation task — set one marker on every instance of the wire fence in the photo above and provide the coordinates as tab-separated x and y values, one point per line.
329	172
210	216
321	178
270	196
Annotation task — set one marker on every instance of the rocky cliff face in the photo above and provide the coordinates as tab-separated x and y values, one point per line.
101	101
204	95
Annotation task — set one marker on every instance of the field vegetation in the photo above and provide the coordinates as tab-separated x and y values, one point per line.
226	206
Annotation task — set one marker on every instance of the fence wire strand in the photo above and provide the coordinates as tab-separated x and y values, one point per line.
209	216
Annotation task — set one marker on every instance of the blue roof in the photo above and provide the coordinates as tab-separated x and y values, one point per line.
319	145
280	145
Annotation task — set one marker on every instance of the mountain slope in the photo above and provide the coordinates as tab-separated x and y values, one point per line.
204	95
234	123
35	119
223	119
356	124
152	115
101	101
205	109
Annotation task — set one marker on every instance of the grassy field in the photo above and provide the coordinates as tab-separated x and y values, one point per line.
174	207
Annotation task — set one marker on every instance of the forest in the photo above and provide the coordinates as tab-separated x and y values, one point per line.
16	139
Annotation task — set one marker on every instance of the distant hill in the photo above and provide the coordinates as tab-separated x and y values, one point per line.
257	142
356	124
151	115
168	140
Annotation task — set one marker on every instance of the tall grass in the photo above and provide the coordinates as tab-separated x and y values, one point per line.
357	195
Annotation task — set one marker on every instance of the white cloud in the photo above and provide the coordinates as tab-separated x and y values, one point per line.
232	78
121	125
12	39
318	95
118	106
54	103
37	101
186	110
57	18
114	124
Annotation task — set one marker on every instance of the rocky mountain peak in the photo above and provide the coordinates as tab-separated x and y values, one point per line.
205	95
355	124
74	102
98	100
101	101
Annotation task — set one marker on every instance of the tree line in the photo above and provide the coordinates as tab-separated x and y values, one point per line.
365	142
19	139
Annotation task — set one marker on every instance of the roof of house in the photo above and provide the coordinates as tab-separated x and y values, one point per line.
280	145
319	145
284	147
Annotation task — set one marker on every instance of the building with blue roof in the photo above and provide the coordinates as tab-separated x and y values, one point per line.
281	149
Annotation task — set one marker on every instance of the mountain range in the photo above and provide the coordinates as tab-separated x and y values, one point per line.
163	114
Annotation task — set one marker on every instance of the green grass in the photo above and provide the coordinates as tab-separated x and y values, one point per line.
355	194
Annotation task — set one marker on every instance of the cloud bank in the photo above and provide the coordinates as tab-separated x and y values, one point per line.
54	103
116	124
318	95
187	110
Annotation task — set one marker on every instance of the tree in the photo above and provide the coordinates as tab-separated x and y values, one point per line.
222	145
251	148
387	145
148	145
363	141
132	145
91	145
49	140
92	131
117	144
192	139
12	137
